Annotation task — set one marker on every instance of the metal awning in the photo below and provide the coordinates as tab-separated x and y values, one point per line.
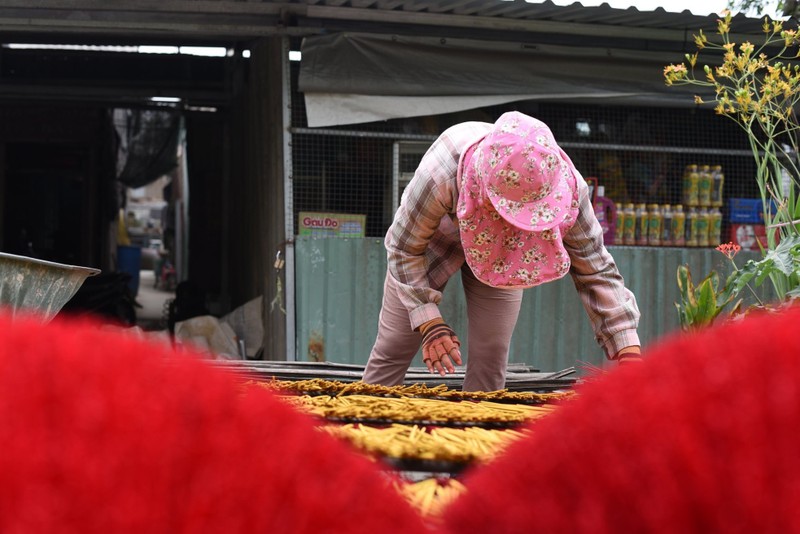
529	29
234	20
352	78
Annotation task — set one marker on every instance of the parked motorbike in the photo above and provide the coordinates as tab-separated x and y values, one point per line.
166	277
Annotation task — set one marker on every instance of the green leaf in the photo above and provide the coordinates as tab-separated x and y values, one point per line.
783	256
706	302
764	269
683	320
685	285
794	293
739	279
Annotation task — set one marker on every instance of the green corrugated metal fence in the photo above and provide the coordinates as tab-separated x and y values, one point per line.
339	285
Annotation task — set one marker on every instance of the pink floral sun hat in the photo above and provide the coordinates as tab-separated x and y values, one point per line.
518	196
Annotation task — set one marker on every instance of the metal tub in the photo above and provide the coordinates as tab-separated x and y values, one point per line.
29	285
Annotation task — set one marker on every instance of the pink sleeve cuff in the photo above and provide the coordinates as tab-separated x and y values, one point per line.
619	341
423	314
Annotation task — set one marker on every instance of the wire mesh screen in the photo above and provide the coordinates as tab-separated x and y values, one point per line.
661	176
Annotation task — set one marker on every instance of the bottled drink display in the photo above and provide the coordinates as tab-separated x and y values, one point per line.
691	186
715	227
718	180
606	212
701	227
703	196
642	224
654	218
696	221
629	228
691	227
666	225
705	184
619	229
678	226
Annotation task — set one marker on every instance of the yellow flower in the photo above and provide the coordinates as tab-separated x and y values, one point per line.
700	40
724	25
743	97
724	71
742	64
758	91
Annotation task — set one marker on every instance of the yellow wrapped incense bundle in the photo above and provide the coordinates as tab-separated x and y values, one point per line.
333	387
431	496
438	444
365	407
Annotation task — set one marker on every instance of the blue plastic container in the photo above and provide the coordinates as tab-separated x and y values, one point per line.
129	260
747	210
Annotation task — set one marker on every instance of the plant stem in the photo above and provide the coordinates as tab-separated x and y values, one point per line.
736	269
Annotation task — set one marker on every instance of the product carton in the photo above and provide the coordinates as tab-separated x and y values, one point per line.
748	236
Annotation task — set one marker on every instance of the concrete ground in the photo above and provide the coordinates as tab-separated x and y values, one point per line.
153	312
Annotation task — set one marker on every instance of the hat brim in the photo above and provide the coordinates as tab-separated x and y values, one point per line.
514	258
517	246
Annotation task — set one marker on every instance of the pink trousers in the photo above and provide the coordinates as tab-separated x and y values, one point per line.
491	313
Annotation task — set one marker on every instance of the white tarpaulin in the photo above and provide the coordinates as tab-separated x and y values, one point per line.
354	78
329	109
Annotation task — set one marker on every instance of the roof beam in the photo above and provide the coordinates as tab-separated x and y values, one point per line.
109	95
500	23
148	6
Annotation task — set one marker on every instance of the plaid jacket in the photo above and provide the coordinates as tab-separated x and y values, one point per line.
424	249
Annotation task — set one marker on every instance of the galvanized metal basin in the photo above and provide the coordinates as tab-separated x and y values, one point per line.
37	286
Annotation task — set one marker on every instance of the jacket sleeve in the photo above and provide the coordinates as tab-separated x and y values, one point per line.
612	308
425	201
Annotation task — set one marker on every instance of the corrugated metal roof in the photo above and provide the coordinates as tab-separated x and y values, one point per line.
547	10
238	20
520	21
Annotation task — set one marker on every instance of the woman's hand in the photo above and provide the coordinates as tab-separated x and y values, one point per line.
440	347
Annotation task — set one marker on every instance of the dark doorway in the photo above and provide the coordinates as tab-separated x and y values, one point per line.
45	187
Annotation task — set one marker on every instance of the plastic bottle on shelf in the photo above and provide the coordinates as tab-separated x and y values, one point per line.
701	225
691	178
718	179
666	225
691	227
619	228
705	183
606	212
629	229
715	227
654	219
678	226
641	224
